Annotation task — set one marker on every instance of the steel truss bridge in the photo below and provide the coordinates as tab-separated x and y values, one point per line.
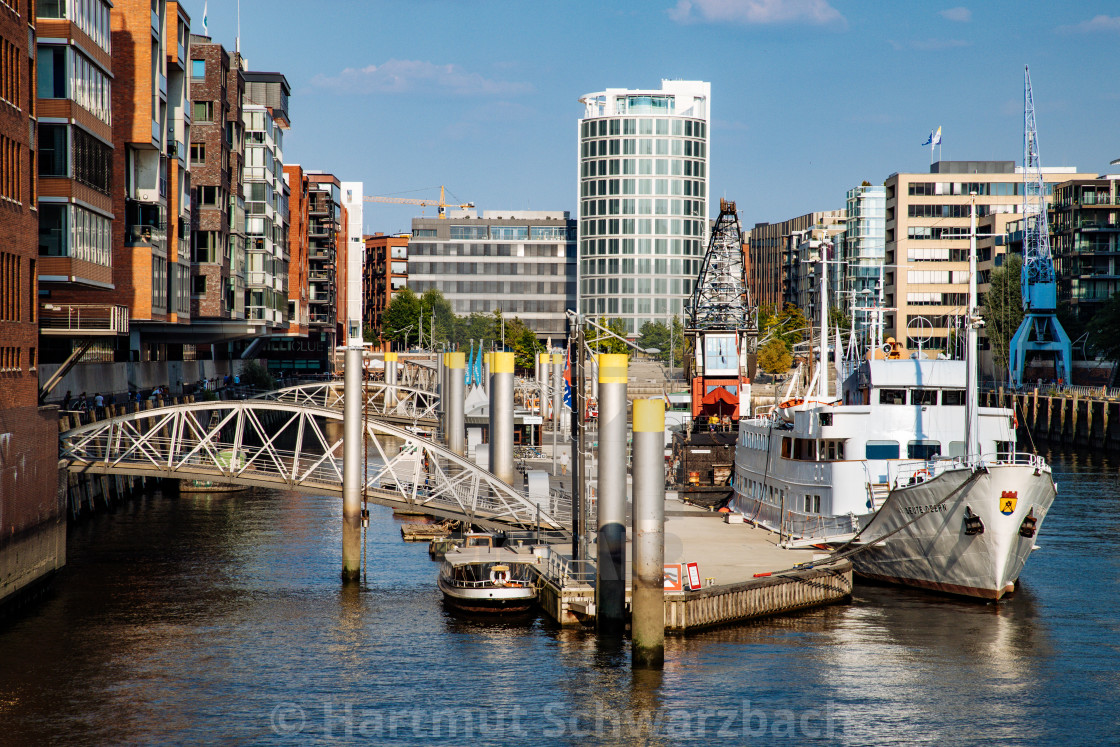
388	403
299	446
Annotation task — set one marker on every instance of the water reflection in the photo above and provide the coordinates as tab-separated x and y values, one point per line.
181	618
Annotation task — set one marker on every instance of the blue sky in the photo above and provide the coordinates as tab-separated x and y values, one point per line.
809	97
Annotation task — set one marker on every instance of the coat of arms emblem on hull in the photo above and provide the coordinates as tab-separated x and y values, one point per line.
1007	502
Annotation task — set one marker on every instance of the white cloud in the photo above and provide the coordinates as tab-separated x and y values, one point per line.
758	12
1096	24
960	13
416	76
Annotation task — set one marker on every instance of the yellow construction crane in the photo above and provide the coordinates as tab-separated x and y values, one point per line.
441	203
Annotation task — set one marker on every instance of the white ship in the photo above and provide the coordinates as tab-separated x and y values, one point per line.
901	470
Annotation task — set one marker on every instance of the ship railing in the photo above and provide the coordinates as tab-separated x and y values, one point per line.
521	582
915	471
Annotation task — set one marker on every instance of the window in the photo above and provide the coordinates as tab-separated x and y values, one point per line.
198	153
952	397
198	68
923	449
198	285
204	111
881	450
923	396
52	150
52	72
892	396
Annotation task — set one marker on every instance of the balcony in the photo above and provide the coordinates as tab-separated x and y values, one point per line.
79	319
144	223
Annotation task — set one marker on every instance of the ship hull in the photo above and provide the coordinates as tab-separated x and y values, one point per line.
926	544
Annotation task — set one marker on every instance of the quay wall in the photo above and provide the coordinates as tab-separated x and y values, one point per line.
1062	419
109	378
32	499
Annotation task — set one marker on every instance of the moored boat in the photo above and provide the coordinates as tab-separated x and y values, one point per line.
488	580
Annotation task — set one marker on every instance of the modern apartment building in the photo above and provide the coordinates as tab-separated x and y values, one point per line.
298	189
75	149
218	214
266	221
32	510
385	273
862	247
818	240
350	312
927	240
521	262
643	199
1085	242
323	231
775	253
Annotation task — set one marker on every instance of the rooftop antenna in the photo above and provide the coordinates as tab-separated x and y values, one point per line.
237	39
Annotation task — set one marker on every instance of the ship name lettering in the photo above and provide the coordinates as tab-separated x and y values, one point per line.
927	509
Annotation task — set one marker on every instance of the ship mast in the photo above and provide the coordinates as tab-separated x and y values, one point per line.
973	322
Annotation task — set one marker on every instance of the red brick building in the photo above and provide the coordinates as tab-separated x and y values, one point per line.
32	516
386	271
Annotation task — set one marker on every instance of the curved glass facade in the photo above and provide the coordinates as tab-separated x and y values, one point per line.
643	201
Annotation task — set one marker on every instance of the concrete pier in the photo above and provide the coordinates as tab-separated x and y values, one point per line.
744	575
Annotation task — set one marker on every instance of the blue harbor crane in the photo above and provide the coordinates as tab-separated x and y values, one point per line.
1040	330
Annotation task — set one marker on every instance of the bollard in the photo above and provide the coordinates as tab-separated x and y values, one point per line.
352	466
648	606
391	368
453	403
610	588
501	416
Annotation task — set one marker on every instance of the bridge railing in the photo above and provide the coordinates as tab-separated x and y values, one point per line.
261	442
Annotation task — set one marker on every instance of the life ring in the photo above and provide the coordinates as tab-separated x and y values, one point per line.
499	575
1014	421
922	475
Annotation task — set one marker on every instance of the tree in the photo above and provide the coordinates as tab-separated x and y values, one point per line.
837	318
445	317
401	317
774	357
526	346
657	335
608	344
1003	309
1104	330
787	324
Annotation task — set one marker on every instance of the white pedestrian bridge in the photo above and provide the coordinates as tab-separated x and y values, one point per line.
298	445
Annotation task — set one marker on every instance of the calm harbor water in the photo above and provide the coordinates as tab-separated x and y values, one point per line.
220	618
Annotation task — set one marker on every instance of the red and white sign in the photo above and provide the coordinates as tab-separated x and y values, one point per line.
673	577
693	576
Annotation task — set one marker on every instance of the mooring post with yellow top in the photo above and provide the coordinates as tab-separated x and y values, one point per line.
352	442
610	587
453	403
501	416
647	608
441	391
391	368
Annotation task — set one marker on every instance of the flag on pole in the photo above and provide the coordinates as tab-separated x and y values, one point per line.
929	140
204	20
568	379
937	137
